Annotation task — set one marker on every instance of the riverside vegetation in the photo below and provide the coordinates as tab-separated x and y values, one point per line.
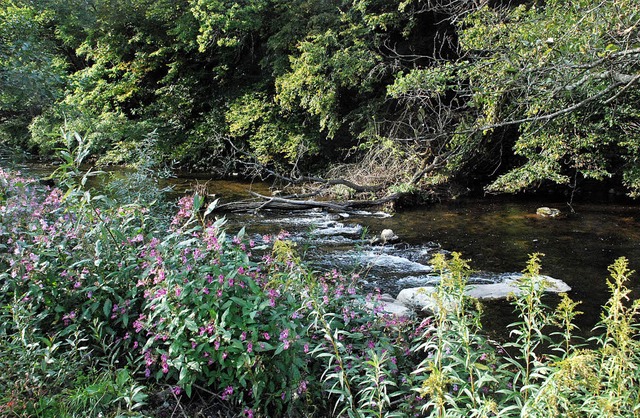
111	309
370	98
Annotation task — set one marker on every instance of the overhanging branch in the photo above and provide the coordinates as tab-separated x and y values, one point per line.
558	113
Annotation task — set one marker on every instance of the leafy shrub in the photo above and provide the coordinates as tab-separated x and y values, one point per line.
466	374
262	334
189	307
67	262
213	317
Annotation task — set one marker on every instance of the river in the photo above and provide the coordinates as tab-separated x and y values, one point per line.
496	233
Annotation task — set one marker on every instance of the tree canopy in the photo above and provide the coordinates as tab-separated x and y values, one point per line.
404	95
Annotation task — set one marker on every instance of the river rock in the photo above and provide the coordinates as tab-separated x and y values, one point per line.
386	236
395	308
385	297
546	212
510	286
390	306
423	297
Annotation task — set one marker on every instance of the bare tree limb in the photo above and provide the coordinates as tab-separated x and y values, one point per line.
280	203
554	115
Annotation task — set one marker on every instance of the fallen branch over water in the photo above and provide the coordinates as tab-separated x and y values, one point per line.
283	203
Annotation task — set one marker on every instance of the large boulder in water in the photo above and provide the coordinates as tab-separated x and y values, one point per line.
387	305
423	297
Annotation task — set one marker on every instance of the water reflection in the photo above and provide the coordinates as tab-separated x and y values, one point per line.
498	235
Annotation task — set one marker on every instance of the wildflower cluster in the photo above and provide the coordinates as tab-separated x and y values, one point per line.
65	271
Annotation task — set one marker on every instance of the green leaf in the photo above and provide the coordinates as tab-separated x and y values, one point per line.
211	207
197	202
191	325
106	308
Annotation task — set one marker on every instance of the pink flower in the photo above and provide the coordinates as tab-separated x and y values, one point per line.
148	359
185	205
284	334
227	393
165	364
69	317
160	276
302	387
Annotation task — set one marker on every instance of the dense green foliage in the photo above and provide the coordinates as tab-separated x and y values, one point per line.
111	310
426	90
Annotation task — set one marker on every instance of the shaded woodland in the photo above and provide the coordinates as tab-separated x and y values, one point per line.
370	99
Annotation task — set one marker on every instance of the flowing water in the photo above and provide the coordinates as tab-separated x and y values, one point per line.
497	234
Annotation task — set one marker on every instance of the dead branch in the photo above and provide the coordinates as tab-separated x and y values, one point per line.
288	204
555	114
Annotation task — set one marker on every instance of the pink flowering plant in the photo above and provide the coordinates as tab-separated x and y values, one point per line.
67	262
190	306
215	317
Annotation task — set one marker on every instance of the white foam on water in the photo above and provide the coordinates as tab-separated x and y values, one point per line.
302	218
337	228
415	281
330	240
394	262
378	214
